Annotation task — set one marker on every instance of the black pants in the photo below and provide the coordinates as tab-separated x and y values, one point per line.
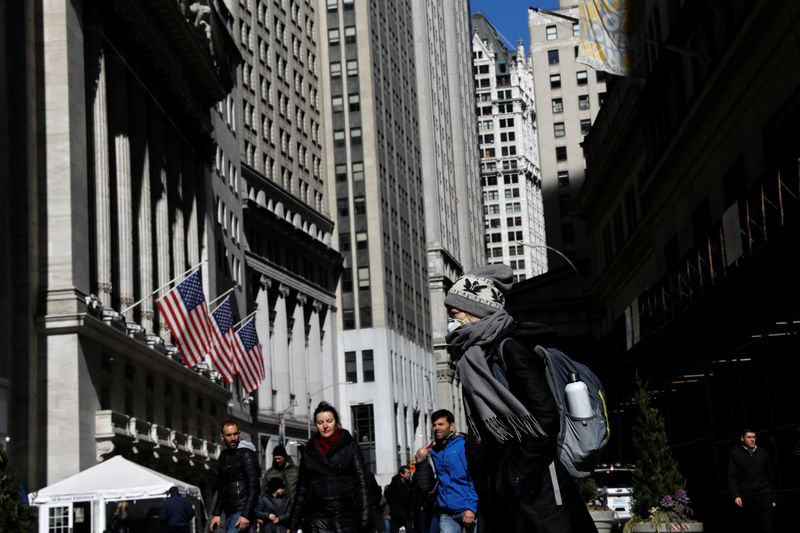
757	514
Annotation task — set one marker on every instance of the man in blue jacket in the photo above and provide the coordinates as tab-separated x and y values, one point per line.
456	501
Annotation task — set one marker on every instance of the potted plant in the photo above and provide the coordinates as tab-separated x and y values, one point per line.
660	500
597	503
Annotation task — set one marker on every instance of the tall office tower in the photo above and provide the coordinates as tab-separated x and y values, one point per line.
106	158
449	160
568	97
285	233
509	153
386	371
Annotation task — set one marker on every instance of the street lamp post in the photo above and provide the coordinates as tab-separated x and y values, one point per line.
310	394
564	257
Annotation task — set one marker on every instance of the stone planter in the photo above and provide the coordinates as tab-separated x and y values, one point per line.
689	527
603	520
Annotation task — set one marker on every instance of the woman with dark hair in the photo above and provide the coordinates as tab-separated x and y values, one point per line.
332	487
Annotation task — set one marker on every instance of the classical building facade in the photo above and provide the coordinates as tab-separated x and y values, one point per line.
509	153
568	97
385	371
283	233
449	166
107	153
693	202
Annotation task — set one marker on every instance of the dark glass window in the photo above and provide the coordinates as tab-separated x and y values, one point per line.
350	367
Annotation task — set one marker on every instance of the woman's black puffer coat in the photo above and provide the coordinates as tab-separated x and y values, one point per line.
332	489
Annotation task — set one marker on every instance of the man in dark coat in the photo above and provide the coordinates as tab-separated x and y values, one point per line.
177	512
751	484
398	497
283	468
237	482
513	417
423	494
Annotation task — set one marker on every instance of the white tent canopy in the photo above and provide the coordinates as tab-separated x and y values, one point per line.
113	480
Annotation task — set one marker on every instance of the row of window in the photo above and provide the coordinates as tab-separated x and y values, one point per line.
492	180
494	209
367	366
581	77
494	223
583	103
559	129
513	236
495	194
551	31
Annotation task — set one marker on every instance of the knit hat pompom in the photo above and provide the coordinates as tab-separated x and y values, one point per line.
482	291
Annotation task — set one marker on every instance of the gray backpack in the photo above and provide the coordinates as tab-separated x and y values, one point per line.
580	440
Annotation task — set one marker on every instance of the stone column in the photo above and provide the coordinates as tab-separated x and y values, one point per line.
281	361
144	221
314	349
158	180
264	392
176	203
102	189
191	176
299	356
118	82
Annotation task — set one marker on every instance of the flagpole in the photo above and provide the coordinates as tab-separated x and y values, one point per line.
223	295
245	319
167	284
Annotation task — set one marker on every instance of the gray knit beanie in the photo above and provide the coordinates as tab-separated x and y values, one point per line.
482	291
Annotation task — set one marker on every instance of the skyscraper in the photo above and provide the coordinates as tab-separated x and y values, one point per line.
371	136
509	153
568	97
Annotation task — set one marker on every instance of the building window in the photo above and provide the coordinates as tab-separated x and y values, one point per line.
576	29
552	57
336	70
338	137
364	431
558	105
582	76
555	81
583	102
350	367
352	68
332	5
563	178
600	76
368	366
350	34
561	153
586	125
551	32
337	104
348	4
601	97
348	319
333	36
341	173
558	129
358	171
354	103
355	135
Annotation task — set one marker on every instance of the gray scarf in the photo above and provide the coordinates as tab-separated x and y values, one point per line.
486	392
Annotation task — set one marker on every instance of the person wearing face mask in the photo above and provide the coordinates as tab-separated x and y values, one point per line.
332	488
512	415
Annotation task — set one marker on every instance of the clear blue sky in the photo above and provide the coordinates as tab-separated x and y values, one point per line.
510	17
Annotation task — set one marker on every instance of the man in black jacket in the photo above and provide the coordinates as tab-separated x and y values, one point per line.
237	482
751	483
398	496
177	512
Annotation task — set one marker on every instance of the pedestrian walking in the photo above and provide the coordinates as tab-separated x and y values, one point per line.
237	482
752	485
272	512
456	497
332	489
284	468
398	497
512	414
423	493
177	512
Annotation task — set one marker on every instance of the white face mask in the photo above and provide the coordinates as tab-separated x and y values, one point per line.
453	324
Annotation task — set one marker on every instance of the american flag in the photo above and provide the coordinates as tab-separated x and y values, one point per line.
221	353
248	357
185	311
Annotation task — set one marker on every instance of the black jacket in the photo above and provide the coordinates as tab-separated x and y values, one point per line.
177	511
513	480
267	505
398	496
237	482
750	474
423	487
333	486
